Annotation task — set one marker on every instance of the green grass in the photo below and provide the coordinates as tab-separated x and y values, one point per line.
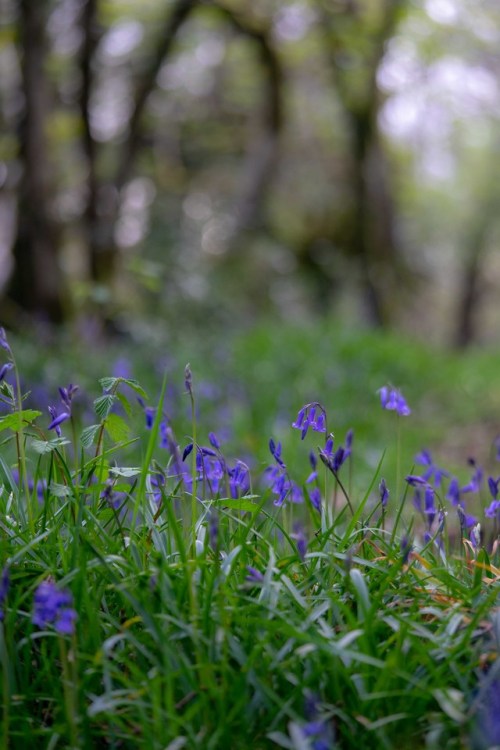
174	647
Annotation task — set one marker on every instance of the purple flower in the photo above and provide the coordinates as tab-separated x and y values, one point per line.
149	413
239	479
5	369
415	480
453	494
67	394
465	520
53	606
212	437
384	493
300	538
275	450
315	498
57	420
494	485
317	730
475	480
406	547
493	510
424	458
254	575
333	461
3	340
393	400
4	589
306	418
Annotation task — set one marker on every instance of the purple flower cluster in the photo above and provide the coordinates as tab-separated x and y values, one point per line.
311	416
66	395
213	471
53	606
393	400
334	460
282	487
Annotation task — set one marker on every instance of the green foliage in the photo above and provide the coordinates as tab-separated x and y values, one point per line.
242	639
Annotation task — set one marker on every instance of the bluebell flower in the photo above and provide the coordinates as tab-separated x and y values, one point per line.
406	547
393	400
493	510
4	589
300	538
53	606
315	498
384	493
57	420
275	450
496	445
432	472
3	341
239	479
453	494
333	460
149	413
318	731
306	418
415	481
494	487
254	575
214	442
5	369
465	519
475	480
67	394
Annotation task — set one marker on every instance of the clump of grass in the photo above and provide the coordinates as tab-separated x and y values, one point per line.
155	594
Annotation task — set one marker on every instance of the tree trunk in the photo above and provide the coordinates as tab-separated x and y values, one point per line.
36	284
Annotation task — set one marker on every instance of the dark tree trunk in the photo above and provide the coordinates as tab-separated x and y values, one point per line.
36	284
102	247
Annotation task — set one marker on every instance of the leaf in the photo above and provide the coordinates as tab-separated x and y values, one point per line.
103	405
110	383
15	421
362	593
117	428
125	403
88	435
452	702
125	471
235	504
47	446
60	490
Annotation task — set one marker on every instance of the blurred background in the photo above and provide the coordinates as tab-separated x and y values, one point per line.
181	163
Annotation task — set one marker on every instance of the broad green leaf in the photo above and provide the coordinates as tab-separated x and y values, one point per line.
110	383
47	446
18	420
60	490
117	428
88	435
103	404
125	403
